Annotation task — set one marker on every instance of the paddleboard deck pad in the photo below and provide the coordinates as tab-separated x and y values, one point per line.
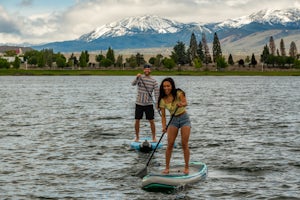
145	145
156	181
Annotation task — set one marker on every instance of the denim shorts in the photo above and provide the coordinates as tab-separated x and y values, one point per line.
181	120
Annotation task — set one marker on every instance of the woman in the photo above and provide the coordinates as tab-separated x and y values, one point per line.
174	99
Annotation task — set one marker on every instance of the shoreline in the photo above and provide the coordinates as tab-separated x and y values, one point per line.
93	72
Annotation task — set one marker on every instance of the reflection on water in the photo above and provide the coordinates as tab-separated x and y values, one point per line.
68	138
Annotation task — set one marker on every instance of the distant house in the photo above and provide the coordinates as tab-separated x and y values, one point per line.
12	58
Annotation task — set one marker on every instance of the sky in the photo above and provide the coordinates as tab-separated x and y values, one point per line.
42	21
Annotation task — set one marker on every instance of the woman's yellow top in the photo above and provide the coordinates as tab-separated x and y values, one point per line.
172	106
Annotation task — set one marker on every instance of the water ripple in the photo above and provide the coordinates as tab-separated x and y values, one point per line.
68	138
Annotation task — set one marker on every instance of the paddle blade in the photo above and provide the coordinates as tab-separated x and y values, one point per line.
142	172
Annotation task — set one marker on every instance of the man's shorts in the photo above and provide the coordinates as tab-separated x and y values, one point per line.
140	110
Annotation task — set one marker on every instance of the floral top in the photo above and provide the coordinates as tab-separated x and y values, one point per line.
172	106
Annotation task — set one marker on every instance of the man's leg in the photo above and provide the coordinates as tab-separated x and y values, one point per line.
137	130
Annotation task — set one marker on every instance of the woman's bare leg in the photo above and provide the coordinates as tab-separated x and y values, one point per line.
185	135
172	134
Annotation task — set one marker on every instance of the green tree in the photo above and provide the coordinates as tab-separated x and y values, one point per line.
193	47
41	59
106	62
87	56
179	54
46	58
4	64
111	55
140	59
253	60
60	60
282	48
293	50
10	53
156	61
221	62
152	60
82	59
200	51
17	62
297	63
230	60
247	59
241	63
31	57
207	56
119	61
99	57
197	63
217	52
290	60
169	63
131	61
72	61
265	54
272	46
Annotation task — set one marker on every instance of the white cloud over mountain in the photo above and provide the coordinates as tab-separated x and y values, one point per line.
28	21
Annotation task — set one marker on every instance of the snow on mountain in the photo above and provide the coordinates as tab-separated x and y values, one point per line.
148	24
150	31
267	16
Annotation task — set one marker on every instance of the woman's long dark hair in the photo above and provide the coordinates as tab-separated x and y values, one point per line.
174	90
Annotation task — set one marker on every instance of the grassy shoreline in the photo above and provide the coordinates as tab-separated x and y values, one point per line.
21	72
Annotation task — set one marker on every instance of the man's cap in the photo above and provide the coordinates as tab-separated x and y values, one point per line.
147	66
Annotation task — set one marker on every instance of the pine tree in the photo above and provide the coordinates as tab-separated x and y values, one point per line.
217	52
293	50
253	60
179	54
282	48
87	56
230	60
200	51
193	47
207	57
119	61
265	54
272	46
82	60
110	55
140	59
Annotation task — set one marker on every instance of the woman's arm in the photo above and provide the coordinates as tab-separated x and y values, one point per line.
163	119
182	100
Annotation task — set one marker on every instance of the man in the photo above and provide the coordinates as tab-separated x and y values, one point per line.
146	86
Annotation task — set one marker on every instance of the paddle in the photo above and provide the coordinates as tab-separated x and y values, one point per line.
150	95
143	172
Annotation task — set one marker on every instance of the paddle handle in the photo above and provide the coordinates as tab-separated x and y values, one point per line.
161	137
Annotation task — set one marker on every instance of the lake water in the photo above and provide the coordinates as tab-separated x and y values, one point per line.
67	137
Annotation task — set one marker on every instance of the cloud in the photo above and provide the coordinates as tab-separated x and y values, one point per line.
25	3
40	26
7	24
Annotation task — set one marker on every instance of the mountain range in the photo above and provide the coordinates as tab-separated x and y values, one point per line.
244	35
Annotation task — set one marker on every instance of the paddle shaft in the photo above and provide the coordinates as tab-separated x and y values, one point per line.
149	94
161	137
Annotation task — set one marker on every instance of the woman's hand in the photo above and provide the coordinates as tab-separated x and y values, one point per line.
164	129
181	104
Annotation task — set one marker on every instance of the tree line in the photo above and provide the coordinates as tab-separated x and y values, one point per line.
196	55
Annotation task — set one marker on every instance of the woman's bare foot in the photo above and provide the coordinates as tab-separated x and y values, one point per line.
136	139
154	140
186	171
166	171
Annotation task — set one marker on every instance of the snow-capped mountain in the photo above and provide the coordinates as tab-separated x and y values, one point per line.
247	34
267	16
134	25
